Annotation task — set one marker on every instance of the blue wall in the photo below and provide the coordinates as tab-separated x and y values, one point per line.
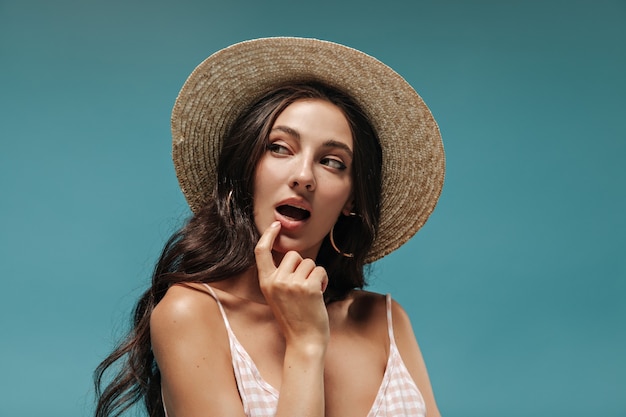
516	286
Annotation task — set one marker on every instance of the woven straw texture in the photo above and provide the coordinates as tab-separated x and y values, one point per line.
231	79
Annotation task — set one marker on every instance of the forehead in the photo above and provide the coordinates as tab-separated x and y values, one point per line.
315	116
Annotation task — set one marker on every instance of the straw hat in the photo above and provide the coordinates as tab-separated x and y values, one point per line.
231	79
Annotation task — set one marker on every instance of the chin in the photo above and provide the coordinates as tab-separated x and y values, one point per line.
284	245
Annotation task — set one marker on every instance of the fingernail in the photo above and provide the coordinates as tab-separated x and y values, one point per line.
275	224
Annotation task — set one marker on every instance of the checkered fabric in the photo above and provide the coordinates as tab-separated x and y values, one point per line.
259	398
398	396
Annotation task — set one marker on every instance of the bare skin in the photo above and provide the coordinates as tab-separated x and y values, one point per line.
317	373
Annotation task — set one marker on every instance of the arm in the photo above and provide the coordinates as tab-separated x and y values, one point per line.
190	345
294	292
412	357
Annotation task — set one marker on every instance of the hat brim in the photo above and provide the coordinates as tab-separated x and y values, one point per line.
231	79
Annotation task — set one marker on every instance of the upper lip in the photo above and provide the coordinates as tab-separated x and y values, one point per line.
296	202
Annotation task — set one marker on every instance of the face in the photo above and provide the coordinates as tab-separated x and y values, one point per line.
304	179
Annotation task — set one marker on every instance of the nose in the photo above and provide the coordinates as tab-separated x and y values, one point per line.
303	177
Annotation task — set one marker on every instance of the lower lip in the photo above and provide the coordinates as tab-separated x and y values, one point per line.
288	224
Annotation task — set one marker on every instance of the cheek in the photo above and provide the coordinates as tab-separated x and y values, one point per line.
340	195
265	182
262	176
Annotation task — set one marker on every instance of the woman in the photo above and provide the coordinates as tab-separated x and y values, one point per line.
302	161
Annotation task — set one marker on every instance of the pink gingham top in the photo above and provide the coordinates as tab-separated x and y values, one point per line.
398	396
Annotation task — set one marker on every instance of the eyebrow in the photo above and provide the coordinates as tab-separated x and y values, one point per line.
330	143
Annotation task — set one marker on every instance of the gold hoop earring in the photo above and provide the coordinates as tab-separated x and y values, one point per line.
334	245
228	198
228	208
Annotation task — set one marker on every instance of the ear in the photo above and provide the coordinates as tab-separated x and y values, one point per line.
347	208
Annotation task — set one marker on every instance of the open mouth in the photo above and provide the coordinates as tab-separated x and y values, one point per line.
293	213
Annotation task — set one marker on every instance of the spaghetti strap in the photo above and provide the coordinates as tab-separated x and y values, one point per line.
392	339
219	304
258	397
208	287
398	395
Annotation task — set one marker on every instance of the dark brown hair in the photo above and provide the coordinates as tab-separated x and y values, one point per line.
218	241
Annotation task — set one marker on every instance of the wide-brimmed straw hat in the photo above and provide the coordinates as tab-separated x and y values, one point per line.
233	78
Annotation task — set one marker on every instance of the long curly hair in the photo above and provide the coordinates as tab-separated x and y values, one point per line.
218	241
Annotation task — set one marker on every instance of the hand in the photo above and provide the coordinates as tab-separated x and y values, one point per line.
294	290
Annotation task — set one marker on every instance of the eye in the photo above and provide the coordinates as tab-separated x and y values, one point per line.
333	163
278	149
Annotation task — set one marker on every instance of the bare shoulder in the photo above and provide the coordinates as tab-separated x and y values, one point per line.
191	348
183	308
183	299
402	327
366	306
412	355
187	319
368	310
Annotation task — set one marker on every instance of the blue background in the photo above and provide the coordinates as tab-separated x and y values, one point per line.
517	284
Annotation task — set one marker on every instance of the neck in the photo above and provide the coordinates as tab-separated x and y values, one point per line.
244	286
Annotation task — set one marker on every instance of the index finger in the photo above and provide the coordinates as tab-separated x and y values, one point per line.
263	249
